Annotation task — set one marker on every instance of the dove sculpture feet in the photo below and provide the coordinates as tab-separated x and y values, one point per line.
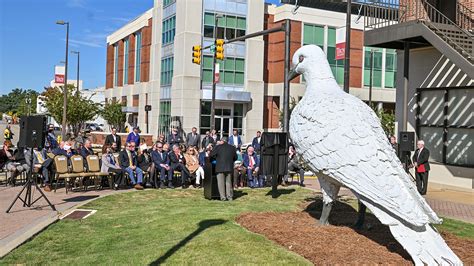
324	219
360	220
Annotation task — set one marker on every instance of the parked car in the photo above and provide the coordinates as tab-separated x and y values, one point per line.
93	127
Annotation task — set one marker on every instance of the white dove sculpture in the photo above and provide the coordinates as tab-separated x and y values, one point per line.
341	140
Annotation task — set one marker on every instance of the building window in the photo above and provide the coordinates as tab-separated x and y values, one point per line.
337	66
228	27
238	117
138	54
167	71
168	30
125	61
205	123
390	68
447	132
164	119
231	70
116	63
167	2
314	34
376	69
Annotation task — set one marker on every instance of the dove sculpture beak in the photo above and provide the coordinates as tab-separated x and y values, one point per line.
293	74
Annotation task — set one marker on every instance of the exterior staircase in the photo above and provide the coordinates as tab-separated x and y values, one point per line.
455	39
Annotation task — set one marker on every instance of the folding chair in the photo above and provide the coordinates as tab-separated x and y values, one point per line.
62	171
77	162
94	168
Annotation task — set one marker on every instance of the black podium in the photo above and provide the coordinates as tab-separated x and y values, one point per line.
274	157
210	181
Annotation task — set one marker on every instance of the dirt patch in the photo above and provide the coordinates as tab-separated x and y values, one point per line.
339	243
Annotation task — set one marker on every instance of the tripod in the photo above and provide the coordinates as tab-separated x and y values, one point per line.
31	182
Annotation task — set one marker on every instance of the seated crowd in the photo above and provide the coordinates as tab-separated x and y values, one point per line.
170	162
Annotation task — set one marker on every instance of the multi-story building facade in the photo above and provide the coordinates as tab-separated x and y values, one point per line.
318	26
149	63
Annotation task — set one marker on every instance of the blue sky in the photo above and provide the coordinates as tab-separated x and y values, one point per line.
31	44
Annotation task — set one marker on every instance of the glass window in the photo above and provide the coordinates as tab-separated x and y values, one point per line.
313	34
209	19
239	64
231	22
460	106
138	54
231	70
167	2
167	71
229	26
460	148
125	61
209	31
168	30
238	109
116	52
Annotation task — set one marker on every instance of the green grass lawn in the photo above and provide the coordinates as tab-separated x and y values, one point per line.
155	226
174	227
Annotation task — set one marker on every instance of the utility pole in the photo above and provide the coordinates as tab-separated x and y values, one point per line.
77	75
371	73
348	47
64	120
286	89
213	101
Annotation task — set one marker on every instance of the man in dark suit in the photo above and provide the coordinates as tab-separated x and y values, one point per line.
422	166
128	162
193	138
207	140
162	165
174	138
225	155
256	142
114	138
178	163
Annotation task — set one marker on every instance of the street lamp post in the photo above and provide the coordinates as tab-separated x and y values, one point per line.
64	123
213	101
78	58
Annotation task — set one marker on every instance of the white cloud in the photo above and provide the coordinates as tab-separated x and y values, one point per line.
76	3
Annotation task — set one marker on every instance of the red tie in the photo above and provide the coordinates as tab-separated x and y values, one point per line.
251	161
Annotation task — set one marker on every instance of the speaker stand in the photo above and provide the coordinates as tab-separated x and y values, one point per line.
31	182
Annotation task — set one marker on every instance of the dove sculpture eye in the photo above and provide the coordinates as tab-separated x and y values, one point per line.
301	58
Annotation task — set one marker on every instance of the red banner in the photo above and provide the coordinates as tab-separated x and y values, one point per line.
58	78
340	50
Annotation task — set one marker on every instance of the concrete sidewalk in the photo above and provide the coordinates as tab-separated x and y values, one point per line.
447	203
22	223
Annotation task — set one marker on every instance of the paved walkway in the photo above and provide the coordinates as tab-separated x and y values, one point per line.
22	223
446	203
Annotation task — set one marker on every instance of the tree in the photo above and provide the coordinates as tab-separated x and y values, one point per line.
112	113
15	102
387	119
79	109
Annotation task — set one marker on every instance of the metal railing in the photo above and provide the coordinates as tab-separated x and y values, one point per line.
457	37
464	17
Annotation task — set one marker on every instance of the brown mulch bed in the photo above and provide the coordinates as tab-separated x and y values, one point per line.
338	243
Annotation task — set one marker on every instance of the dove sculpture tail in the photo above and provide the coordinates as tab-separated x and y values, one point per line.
342	141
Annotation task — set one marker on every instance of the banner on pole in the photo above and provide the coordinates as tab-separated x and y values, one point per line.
340	43
59	74
216	73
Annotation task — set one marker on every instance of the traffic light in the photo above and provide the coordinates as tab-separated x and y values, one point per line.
219	54
197	54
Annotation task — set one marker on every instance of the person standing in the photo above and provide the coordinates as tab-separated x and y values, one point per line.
256	142
225	156
128	162
8	135
207	140
174	138
51	140
235	139
113	138
394	144
193	138
134	137
422	166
